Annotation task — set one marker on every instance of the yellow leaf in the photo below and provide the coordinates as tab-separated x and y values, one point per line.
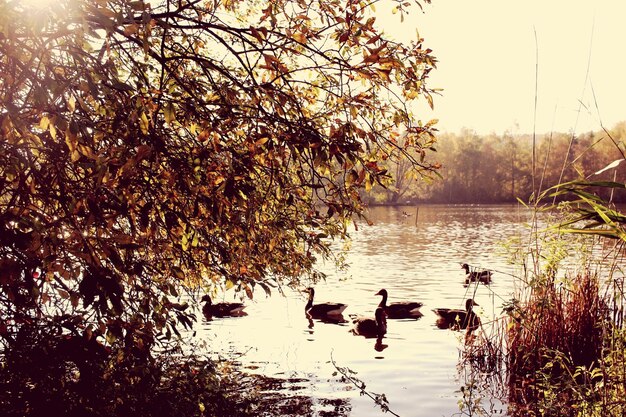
71	103
169	111
144	124
261	141
411	94
185	242
87	151
429	98
299	37
70	140
44	123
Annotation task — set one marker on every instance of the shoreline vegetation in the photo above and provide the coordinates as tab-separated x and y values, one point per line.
557	349
497	168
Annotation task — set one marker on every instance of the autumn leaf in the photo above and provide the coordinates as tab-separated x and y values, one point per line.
144	124
371	58
169	111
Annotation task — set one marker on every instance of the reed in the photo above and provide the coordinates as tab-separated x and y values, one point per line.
570	319
560	350
564	345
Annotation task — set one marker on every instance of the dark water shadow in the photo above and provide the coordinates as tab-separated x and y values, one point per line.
336	319
413	317
285	397
211	318
469	282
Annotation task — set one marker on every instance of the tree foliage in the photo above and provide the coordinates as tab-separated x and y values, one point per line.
149	148
498	168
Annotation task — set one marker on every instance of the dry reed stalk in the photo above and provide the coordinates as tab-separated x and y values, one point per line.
557	331
550	349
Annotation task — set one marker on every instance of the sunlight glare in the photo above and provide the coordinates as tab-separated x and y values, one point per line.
38	4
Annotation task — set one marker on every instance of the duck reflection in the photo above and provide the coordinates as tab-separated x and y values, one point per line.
335	319
379	346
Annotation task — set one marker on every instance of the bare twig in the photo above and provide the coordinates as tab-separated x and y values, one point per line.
348	375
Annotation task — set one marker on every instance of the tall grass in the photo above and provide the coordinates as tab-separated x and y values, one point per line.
559	348
555	347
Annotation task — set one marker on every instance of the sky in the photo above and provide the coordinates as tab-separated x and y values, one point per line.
494	55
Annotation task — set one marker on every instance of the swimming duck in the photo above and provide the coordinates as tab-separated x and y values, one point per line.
371	327
399	309
221	309
476	276
457	318
322	310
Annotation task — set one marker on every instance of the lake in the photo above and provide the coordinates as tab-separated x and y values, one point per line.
416	255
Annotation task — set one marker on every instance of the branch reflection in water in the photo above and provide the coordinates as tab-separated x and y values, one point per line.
481	372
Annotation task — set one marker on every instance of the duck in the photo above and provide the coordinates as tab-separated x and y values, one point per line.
211	310
457	318
371	326
476	276
322	310
399	309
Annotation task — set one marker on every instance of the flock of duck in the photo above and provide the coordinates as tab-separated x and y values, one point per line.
375	326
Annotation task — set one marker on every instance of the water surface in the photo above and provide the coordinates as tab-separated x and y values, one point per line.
415	253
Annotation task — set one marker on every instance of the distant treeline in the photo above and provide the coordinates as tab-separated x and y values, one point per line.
499	168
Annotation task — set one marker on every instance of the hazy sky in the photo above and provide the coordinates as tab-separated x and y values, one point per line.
488	57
